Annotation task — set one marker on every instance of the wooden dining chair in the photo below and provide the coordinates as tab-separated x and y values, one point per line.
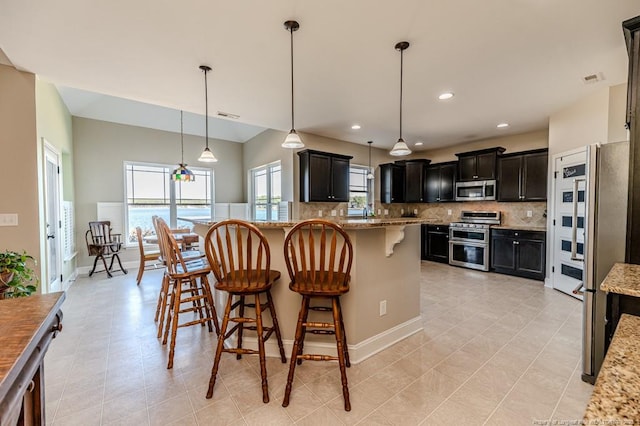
103	244
240	259
145	256
189	290
318	254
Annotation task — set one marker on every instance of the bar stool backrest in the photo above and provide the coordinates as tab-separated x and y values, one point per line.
319	252
169	248
238	252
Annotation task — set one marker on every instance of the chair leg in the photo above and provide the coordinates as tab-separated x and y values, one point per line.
211	304
95	263
274	320
304	332
241	325
296	343
216	360
263	362
117	256
174	324
344	336
175	295
107	270
140	270
341	358
163	297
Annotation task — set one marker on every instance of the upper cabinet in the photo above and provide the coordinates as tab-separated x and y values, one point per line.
415	180
391	183
523	176
441	179
324	176
478	165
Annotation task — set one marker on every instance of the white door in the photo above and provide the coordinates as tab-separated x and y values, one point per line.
570	172
53	245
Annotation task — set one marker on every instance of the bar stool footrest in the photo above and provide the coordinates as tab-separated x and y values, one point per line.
315	357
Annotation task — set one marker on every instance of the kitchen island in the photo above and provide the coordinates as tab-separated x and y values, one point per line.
383	304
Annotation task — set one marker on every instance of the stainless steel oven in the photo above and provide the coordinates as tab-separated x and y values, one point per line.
469	239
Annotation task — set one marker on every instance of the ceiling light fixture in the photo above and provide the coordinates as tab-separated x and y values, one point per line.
182	174
293	139
446	95
401	148
502	125
370	174
206	156
356	127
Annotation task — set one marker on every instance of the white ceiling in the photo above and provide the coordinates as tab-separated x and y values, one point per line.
506	60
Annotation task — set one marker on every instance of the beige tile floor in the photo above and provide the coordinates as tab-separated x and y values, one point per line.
495	350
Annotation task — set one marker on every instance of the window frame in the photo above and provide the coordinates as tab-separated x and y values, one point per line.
364	170
252	190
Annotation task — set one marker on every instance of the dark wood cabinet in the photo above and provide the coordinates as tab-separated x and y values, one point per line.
415	180
440	185
392	183
523	176
520	253
324	177
478	165
435	243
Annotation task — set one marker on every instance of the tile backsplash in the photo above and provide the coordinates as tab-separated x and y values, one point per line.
513	214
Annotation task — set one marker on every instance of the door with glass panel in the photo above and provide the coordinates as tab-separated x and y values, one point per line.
53	245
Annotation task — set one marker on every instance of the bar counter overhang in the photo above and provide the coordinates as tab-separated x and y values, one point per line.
386	267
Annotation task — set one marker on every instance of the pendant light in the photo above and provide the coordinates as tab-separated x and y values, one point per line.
401	148
293	139
182	174
206	156
370	174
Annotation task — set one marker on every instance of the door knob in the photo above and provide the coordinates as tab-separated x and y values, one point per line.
49	237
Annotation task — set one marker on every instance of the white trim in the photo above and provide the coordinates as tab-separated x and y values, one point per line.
357	353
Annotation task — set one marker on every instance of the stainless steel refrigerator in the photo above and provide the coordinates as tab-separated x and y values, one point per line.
606	187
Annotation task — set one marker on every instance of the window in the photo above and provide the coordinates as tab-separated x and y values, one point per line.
266	189
358	190
150	191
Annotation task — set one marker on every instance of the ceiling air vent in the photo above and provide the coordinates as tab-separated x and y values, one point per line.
592	78
228	115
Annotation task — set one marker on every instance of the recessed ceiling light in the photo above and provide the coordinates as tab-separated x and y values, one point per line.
356	127
419	143
502	125
446	95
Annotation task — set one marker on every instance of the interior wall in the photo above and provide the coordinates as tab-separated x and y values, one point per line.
18	149
101	148
53	122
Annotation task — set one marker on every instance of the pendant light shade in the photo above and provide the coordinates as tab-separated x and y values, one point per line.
182	174
370	174
293	139
206	156
401	148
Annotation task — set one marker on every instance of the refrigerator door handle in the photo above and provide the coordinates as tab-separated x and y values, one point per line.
574	221
579	290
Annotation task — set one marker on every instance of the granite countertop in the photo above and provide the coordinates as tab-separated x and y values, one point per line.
623	278
616	394
345	223
520	227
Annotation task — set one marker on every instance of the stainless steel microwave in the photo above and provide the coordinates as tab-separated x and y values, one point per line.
476	191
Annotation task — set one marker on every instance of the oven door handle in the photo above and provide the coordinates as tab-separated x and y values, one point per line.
467	243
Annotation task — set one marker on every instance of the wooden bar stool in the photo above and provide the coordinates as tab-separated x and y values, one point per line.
188	285
318	254
240	260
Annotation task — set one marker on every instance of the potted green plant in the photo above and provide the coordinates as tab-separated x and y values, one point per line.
17	277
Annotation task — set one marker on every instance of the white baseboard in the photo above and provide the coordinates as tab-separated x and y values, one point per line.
67	283
548	283
357	353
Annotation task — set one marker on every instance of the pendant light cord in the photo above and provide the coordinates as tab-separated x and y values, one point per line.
292	109
401	69
206	109
181	139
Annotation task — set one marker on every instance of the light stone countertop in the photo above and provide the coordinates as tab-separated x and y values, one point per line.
616	394
623	278
346	223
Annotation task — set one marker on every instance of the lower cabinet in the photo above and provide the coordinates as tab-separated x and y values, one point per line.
435	243
520	253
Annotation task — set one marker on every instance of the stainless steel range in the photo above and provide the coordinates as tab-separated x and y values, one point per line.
469	239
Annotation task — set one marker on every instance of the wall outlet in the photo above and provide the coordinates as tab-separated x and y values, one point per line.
9	219
449	212
334	213
529	213
319	213
401	211
341	212
383	307
386	212
415	211
379	212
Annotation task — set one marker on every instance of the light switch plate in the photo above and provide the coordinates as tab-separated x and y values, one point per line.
9	219
529	213
334	213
